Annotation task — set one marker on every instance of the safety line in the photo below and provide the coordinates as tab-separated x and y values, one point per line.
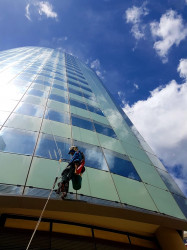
60	154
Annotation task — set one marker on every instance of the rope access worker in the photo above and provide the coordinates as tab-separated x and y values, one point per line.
73	171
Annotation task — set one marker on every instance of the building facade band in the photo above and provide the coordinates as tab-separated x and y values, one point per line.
50	100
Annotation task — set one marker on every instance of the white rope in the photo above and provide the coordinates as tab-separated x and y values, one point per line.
43	210
40	218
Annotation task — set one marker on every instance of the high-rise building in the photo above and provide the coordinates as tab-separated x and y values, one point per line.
50	100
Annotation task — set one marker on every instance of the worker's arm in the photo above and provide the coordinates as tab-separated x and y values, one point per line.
74	158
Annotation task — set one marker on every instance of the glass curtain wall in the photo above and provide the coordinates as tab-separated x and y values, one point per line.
51	100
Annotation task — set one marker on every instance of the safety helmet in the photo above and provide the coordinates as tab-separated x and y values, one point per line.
73	149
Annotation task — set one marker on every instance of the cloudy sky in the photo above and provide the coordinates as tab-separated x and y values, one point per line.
138	48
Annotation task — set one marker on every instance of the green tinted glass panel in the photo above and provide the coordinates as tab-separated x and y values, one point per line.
14	168
133	193
58	92
148	173
165	202
24	122
99	118
34	100
43	172
91	102
76	97
85	135
126	136
155	161
136	152
111	143
101	185
85	188
56	128
80	112
58	106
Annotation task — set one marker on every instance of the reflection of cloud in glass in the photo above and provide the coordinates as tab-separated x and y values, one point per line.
110	160
132	176
2	144
95	158
171	185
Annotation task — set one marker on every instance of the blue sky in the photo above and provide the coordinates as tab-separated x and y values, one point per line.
137	47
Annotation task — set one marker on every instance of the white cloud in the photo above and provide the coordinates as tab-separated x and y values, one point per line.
136	86
46	8
182	68
95	64
97	67
162	121
170	30
27	12
122	97
41	8
134	16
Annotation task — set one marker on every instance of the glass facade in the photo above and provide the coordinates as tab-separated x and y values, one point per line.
50	100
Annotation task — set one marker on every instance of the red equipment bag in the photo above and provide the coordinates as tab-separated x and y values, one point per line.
80	167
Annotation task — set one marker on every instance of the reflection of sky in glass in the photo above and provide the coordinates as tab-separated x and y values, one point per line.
120	165
171	185
58	98
81	122
36	92
57	116
47	147
155	161
17	141
93	156
182	202
103	129
30	109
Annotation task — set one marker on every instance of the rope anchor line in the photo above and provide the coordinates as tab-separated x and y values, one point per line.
51	191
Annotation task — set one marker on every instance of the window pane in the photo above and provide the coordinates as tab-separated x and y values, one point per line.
59	79
71	78
59	87
57	116
82	123
120	165
94	157
88	96
17	141
30	109
95	110
75	91
47	147
102	129
58	98
170	183
36	92
182	202
84	87
73	83
78	104
42	82
82	81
